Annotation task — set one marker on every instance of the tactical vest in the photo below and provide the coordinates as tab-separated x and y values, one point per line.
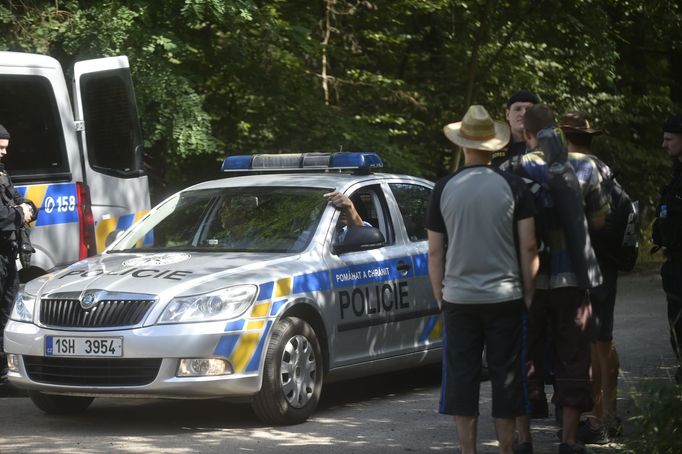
6	238
667	230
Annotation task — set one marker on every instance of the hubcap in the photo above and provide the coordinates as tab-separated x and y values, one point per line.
298	371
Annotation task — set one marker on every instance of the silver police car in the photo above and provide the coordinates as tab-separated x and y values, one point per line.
239	287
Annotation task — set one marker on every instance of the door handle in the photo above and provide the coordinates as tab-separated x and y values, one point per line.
403	267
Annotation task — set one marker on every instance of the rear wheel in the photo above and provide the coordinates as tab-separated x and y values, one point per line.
59	405
292	376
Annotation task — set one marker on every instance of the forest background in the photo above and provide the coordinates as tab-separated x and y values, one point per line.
215	78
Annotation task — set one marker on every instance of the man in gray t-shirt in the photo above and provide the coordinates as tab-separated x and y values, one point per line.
482	264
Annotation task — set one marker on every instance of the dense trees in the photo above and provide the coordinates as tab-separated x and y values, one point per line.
238	76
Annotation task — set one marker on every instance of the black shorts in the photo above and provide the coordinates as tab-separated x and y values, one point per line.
569	311
467	329
603	303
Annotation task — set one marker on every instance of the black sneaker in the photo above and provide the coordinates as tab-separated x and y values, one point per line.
565	448
591	435
522	448
614	427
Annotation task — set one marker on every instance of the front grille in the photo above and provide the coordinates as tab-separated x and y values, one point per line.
92	371
67	312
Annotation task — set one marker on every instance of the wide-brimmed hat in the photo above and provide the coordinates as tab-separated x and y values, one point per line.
577	123
478	131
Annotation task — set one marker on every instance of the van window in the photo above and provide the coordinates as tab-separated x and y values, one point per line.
112	127
29	112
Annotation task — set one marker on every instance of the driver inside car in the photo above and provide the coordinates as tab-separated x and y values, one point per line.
350	217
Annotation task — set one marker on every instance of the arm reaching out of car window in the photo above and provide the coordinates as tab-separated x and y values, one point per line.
347	208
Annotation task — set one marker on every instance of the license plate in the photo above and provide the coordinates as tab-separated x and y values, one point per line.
83	346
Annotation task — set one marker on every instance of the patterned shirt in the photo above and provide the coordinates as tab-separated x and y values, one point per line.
556	267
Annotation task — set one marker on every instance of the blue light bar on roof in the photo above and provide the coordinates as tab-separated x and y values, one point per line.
303	161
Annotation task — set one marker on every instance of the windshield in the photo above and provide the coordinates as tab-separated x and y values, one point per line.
247	219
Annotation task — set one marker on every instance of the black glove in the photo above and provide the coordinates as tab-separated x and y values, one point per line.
34	209
25	247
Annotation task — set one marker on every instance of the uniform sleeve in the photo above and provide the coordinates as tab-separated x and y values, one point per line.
18	199
434	217
10	218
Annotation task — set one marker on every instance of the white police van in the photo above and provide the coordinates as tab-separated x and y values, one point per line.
239	288
83	167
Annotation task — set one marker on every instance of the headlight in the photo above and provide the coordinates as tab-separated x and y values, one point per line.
23	307
223	304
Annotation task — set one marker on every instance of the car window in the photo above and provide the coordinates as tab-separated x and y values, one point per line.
370	204
249	219
413	201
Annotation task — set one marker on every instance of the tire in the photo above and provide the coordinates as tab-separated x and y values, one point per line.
292	375
59	405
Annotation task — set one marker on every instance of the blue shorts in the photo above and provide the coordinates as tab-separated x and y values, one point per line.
468	328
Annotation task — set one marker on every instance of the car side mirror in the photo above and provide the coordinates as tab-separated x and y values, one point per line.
360	239
112	237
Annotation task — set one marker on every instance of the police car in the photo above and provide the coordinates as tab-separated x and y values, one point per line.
238	288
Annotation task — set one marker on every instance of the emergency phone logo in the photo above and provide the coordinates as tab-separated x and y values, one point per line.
57	203
158	259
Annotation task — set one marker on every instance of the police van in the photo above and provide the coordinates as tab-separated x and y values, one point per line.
81	166
246	287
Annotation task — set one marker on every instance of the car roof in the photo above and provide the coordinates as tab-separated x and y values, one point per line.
301	179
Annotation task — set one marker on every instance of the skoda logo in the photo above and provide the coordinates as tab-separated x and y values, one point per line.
88	301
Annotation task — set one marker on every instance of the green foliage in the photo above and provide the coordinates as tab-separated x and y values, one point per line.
216	77
658	420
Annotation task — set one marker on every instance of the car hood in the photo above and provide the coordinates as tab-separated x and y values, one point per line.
160	274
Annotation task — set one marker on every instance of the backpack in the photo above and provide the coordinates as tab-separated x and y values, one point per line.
618	242
558	199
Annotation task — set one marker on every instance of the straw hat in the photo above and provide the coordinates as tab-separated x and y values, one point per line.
478	131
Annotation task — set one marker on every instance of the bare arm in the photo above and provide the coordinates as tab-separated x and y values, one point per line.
530	263
436	263
345	204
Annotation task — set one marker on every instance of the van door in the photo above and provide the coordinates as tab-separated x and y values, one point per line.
106	116
44	157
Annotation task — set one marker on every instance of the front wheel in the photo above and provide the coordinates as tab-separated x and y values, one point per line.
59	405
292	376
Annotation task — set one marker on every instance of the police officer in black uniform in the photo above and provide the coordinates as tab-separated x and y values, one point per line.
517	105
15	212
667	234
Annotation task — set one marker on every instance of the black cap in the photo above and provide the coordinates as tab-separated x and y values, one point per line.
522	96
674	124
4	133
